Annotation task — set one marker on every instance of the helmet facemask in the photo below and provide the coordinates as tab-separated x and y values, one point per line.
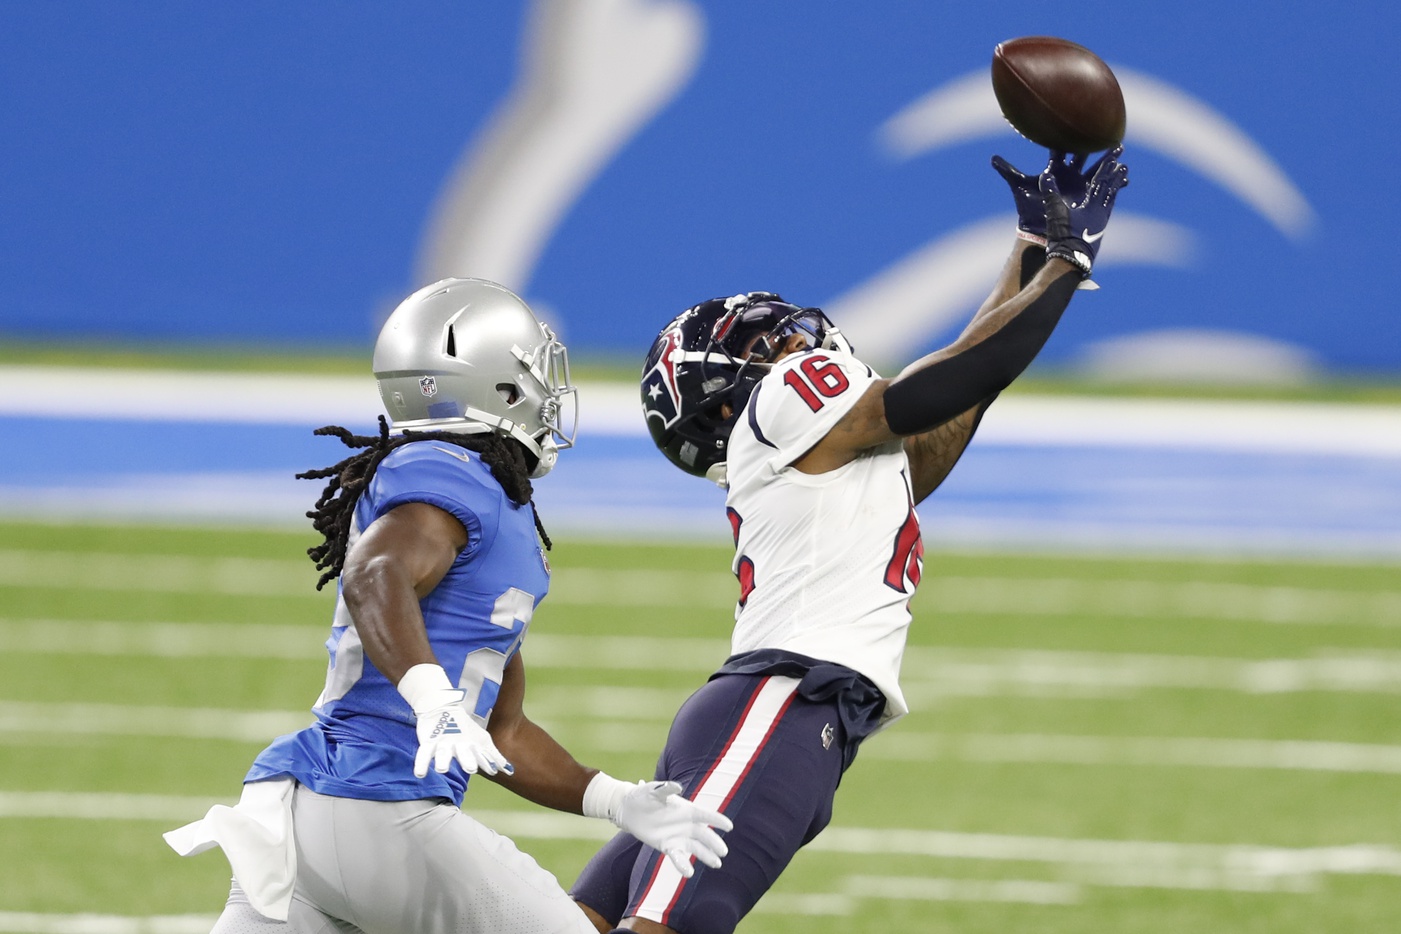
755	330
756	327
558	401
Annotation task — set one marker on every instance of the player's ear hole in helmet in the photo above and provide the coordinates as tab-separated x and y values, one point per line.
704	365
469	356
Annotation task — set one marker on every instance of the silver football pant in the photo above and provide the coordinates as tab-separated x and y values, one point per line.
407	867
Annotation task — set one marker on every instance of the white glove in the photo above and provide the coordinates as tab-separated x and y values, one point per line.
446	730
656	814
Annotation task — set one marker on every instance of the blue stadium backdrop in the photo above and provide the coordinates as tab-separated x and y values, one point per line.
282	172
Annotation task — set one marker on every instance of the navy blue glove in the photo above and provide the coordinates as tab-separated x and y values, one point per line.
1078	205
1026	192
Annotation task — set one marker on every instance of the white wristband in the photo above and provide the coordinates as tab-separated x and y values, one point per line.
603	798
422	686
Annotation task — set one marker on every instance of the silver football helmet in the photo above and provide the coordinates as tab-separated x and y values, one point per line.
467	355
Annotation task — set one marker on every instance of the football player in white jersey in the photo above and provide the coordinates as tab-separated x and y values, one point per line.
824	462
343	826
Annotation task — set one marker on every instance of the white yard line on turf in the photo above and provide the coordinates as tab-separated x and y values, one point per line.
162	640
922	888
1132	863
66	805
612	408
1194	752
902	745
854	891
1062	596
934	673
1020	596
224	576
1135	863
929	673
612	717
18	718
25	922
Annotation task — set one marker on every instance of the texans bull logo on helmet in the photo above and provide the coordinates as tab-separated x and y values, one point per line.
660	394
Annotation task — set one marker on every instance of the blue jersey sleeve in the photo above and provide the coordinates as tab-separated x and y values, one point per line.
442	475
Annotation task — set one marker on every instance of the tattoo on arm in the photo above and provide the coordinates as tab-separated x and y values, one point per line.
934	453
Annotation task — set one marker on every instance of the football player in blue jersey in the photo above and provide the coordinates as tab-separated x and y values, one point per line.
353	824
823	462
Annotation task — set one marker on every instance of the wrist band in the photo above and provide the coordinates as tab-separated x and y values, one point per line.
603	798
422	686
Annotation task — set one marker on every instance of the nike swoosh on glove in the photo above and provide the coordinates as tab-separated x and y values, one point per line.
1078	205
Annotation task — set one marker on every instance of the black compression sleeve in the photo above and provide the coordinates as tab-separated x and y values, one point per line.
933	394
1033	258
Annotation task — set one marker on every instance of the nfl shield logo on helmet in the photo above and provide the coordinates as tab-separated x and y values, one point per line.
428	386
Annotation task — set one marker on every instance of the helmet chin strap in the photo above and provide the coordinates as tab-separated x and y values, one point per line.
719	475
834	339
549	456
545	448
475	421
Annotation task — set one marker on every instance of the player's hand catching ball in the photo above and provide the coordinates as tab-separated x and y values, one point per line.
657	814
1078	205
1026	194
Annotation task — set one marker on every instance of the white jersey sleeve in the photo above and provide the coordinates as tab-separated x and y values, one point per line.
802	398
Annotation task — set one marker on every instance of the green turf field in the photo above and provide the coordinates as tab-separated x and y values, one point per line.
1098	744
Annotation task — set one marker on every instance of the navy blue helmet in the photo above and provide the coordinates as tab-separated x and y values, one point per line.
705	363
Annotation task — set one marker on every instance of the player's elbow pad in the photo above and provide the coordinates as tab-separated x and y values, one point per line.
931	395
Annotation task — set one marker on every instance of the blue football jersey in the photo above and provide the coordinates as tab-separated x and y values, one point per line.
364	740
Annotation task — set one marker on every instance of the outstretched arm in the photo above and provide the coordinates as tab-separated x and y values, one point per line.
986	357
934	453
954	384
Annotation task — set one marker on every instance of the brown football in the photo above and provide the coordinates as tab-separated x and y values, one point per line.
1058	94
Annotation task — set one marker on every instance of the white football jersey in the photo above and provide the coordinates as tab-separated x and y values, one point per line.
827	563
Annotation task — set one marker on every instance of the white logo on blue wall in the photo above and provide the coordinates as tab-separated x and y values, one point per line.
934	286
595	72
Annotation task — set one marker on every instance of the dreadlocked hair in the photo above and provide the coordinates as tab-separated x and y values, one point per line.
335	508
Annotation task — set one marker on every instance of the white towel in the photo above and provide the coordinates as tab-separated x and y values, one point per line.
256	836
